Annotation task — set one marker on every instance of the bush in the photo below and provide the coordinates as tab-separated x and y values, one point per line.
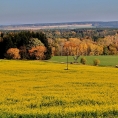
96	62
83	60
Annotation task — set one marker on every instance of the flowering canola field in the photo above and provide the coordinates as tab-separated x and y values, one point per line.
43	89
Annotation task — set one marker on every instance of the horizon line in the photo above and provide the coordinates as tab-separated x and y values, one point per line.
55	23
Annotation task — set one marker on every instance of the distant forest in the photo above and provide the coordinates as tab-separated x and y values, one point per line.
42	44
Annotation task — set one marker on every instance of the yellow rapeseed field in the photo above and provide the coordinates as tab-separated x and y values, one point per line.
45	89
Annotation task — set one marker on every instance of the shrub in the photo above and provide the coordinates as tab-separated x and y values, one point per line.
96	62
83	60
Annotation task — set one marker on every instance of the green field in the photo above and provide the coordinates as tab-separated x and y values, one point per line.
39	89
104	60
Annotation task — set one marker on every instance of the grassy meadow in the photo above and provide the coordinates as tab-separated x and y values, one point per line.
38	89
104	60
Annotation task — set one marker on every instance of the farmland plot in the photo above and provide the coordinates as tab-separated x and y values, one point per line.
44	89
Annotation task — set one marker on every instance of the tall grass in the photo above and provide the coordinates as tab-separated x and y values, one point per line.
44	89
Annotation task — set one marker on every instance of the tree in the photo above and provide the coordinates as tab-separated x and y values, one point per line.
24	52
42	37
75	58
13	53
7	43
37	52
96	62
105	50
112	49
83	60
34	42
1	48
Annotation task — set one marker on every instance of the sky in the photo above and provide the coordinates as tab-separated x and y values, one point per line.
57	11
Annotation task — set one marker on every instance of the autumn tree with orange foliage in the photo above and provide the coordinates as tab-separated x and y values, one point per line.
13	53
72	46
37	52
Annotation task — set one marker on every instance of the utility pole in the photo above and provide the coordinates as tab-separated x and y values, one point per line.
67	57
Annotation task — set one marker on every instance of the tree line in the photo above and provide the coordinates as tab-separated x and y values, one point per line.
84	41
43	44
24	45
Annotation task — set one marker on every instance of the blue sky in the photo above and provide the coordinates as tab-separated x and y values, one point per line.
51	11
